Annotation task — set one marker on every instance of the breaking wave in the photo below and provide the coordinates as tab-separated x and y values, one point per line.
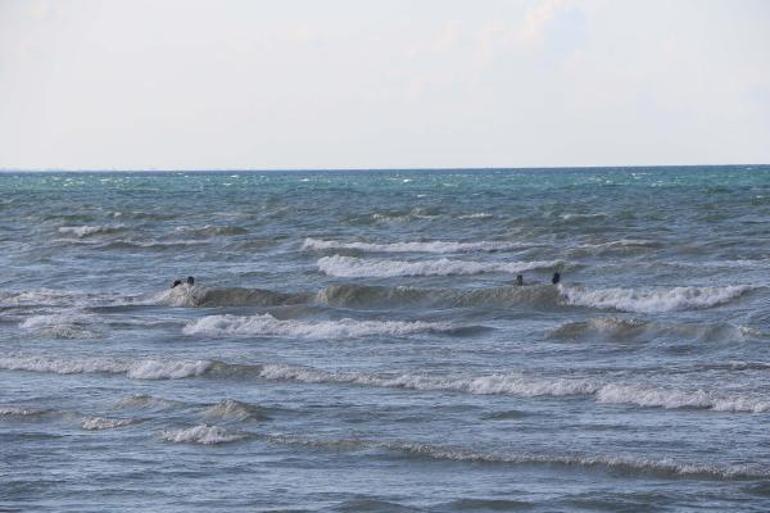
67	326
410	247
50	297
202	434
101	423
671	399
512	384
351	267
652	300
197	296
20	411
267	325
87	231
137	369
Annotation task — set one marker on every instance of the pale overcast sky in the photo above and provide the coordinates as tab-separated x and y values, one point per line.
181	84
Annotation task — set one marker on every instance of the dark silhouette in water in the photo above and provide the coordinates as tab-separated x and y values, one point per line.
190	281
556	278
519	280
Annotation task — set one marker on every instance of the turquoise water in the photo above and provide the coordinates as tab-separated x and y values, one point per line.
354	340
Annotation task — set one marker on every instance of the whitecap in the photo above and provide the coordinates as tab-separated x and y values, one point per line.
73	325
267	325
202	434
410	247
20	411
673	399
87	230
498	384
101	423
349	267
137	369
651	300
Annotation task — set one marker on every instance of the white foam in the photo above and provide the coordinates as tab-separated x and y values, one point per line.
51	297
181	295
651	300
100	423
86	231
202	434
671	399
415	213
510	384
37	297
267	325
141	369
578	217
621	244
64	325
476	215
63	366
410	247
19	411
350	267
164	369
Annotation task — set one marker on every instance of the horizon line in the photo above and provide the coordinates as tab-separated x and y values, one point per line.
298	169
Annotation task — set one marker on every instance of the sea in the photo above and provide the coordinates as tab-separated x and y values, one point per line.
355	341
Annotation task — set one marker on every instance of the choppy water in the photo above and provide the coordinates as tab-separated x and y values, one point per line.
354	343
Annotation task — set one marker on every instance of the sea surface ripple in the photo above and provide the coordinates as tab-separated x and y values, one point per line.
354	340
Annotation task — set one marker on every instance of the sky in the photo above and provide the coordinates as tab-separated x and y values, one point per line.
335	84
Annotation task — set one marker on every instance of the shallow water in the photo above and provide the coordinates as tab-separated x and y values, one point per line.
354	342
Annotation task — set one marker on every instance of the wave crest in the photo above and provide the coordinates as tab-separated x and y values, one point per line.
616	328
66	326
88	230
197	296
352	267
202	434
230	409
622	462
101	423
651	300
674	399
352	294
410	247
267	325
141	369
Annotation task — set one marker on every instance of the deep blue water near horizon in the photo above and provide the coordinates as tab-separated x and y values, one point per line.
354	340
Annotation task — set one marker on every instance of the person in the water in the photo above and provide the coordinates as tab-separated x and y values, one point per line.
556	278
190	281
519	280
